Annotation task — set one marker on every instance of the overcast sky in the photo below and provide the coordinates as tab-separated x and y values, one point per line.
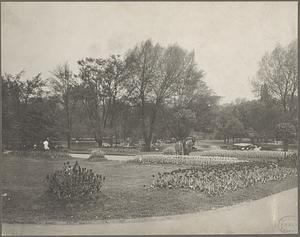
229	38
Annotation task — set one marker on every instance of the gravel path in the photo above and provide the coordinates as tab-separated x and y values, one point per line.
109	157
274	214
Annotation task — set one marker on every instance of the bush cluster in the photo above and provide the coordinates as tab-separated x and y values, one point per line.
73	183
290	160
49	155
97	155
215	180
182	160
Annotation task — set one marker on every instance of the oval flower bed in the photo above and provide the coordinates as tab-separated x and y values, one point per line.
183	160
215	180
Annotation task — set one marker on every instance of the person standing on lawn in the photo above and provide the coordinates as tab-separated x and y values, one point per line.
46	145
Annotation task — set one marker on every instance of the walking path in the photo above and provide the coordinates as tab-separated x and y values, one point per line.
274	214
109	157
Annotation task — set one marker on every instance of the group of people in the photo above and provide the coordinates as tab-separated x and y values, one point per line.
184	147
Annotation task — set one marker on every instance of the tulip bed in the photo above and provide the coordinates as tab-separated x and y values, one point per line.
261	155
183	160
120	149
215	180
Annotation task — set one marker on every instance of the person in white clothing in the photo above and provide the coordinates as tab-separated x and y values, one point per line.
46	145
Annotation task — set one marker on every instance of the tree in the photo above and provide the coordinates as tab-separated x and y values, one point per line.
259	117
285	132
234	128
156	75
278	77
63	84
100	89
29	115
227	123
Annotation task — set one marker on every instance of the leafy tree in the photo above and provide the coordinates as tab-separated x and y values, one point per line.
156	75
63	84
29	116
278	77
285	132
234	128
101	86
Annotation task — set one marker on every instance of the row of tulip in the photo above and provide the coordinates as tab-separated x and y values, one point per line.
183	160
262	155
215	180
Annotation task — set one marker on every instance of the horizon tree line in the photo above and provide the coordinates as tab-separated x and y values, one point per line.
151	92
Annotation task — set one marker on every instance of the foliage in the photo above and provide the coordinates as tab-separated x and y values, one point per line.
49	155
97	155
157	75
63	86
278	76
291	160
29	116
100	88
73	183
169	151
259	155
215	180
285	132
182	159
228	124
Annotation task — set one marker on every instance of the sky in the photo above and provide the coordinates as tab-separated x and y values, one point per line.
228	38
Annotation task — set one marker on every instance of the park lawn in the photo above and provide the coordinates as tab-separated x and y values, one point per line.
126	193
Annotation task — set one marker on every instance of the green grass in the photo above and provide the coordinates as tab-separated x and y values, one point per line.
126	193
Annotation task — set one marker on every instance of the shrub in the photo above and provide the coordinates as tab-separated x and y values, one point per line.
97	155
73	183
215	180
169	151
49	155
290	160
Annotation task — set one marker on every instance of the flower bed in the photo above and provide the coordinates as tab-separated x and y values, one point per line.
261	155
120	149
182	160
215	180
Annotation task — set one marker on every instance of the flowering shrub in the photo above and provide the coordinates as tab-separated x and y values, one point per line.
215	180
261	155
73	183
182	160
169	151
50	155
97	155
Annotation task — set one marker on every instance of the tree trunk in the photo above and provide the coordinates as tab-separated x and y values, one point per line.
185	151
99	141
148	143
285	145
